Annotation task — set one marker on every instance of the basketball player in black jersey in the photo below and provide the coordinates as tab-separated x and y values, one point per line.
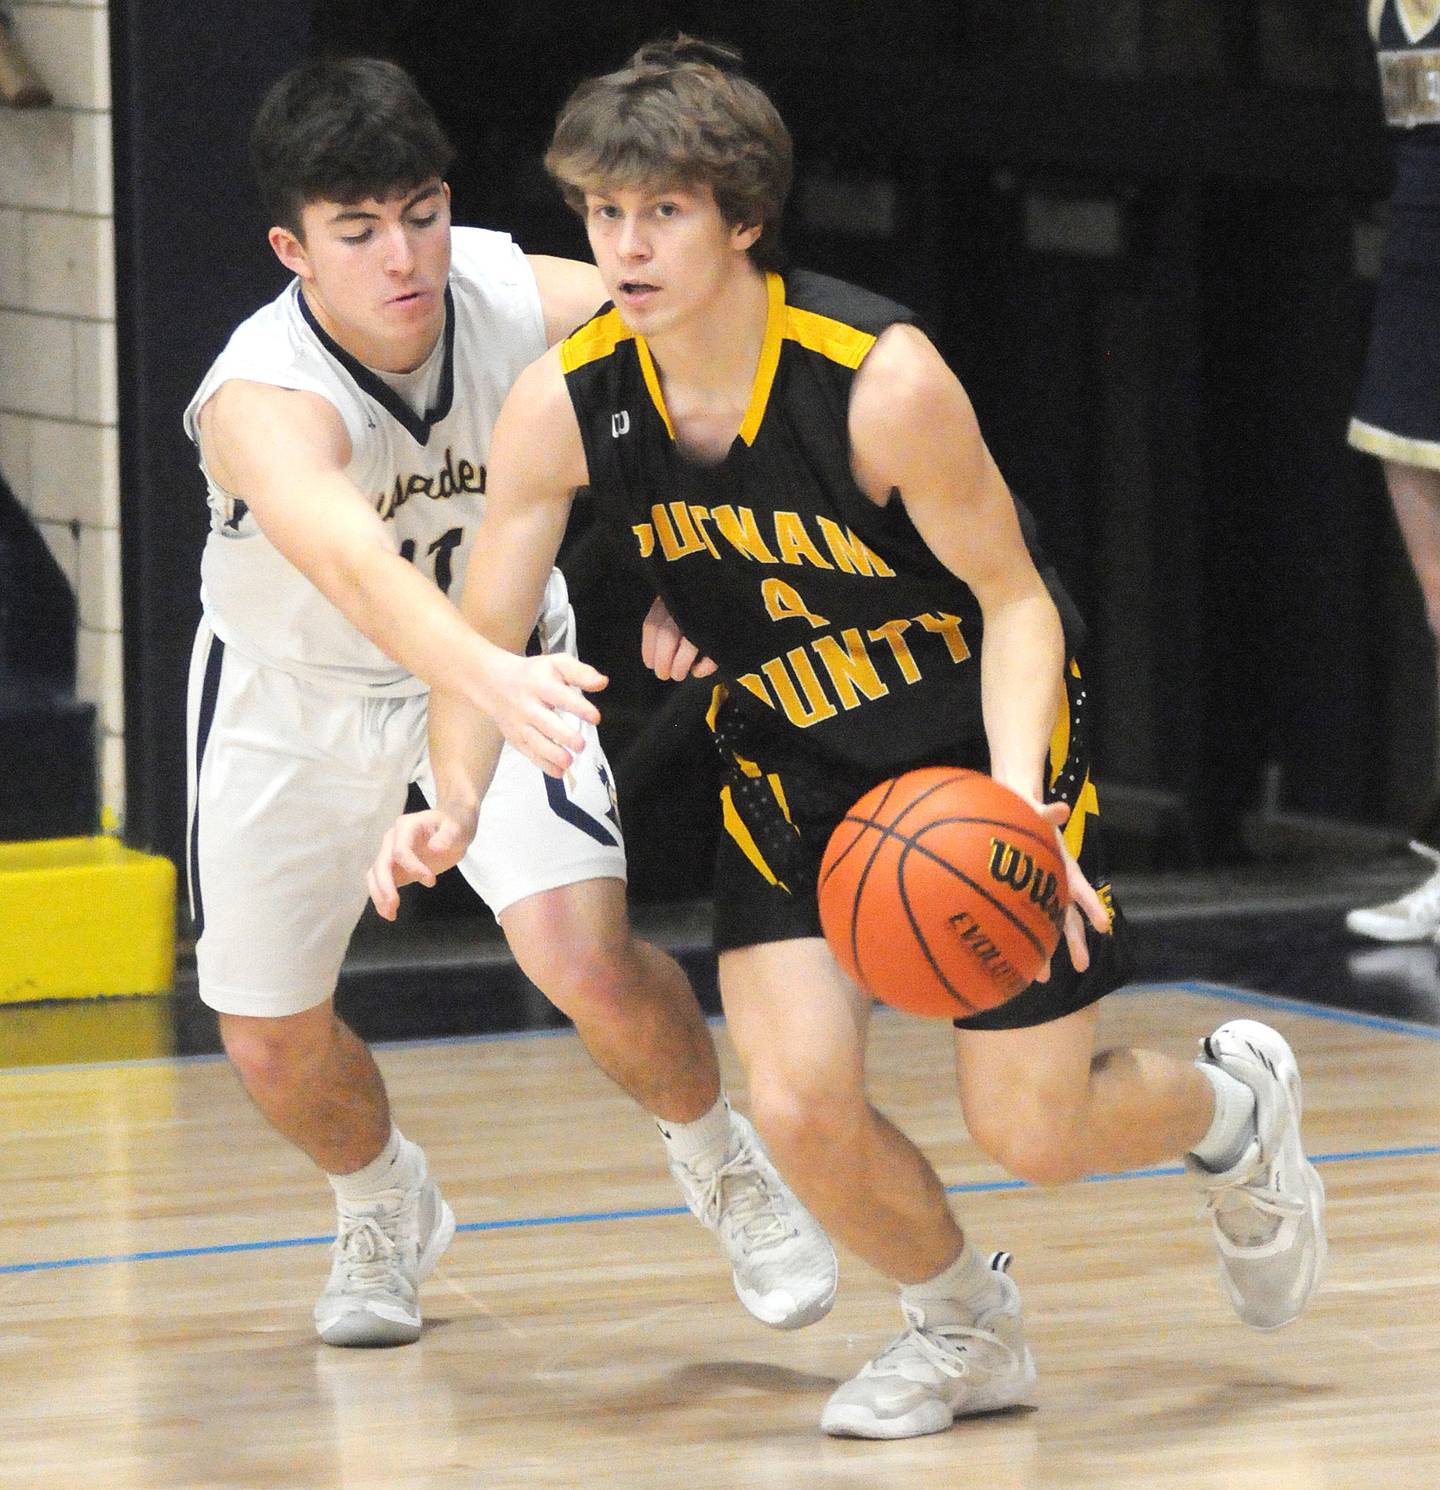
804	480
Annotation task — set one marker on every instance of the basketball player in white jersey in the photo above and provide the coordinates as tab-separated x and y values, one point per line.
343	433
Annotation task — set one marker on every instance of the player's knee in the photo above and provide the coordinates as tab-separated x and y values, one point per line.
588	980
1039	1148
803	1122
271	1053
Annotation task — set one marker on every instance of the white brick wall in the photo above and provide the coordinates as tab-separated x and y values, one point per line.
59	446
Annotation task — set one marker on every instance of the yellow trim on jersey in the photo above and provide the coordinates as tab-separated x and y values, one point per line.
1087	802
775	326
1087	805
595	339
746	844
1060	736
652	382
832	339
718	694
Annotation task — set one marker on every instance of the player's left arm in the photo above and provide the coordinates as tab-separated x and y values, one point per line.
914	438
570	293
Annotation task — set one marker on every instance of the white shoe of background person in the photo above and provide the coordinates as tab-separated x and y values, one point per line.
1414	917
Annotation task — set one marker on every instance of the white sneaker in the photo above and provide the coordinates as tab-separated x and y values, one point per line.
1268	1210
385	1248
946	1365
1411	918
782	1263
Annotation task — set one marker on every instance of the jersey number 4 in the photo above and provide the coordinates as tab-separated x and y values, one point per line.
440	551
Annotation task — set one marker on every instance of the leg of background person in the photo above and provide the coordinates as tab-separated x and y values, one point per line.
1415	916
1415	495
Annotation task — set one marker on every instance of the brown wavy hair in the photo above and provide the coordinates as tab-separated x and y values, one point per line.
682	113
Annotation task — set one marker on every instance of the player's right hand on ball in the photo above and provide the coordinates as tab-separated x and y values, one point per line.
536	703
417	849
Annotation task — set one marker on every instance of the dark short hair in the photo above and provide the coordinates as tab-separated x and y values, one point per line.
680	112
342	130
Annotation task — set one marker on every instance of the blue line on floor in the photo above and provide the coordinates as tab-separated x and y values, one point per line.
977	1187
1277	1001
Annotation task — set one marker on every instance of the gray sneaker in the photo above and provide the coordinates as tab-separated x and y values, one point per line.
384	1249
947	1365
782	1263
1268	1210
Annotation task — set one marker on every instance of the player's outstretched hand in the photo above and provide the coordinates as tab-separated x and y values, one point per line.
1084	902
417	849
536	703
666	650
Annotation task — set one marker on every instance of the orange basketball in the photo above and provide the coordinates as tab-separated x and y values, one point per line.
942	892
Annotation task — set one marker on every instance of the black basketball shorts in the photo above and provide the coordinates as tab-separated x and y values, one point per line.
779	806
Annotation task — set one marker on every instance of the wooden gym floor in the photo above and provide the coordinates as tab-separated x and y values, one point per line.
160	1252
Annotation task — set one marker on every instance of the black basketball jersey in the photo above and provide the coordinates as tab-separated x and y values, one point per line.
830	614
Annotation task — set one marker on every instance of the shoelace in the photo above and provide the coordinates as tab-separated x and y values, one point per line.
933	1347
751	1207
1273	1204
366	1246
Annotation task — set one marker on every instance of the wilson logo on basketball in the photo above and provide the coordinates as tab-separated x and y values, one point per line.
1014	867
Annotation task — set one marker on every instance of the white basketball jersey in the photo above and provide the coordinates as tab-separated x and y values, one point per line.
424	473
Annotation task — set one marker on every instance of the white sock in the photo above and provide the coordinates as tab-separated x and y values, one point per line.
969	1281
703	1144
1233	1125
400	1165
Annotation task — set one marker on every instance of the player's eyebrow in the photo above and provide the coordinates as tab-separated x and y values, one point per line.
423	194
363	214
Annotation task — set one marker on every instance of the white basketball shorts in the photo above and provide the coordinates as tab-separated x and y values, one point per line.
291	788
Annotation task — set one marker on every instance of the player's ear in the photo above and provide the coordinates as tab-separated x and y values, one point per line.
290	251
743	237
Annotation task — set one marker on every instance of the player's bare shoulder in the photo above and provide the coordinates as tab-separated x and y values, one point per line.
906	406
245	427
537	432
570	293
903	376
